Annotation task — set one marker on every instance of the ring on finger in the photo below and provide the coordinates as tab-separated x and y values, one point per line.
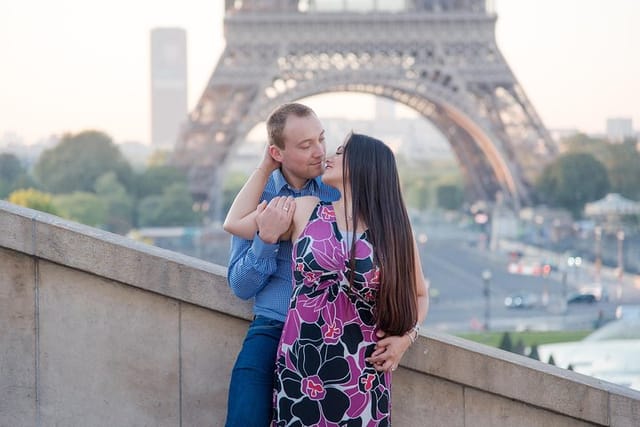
285	208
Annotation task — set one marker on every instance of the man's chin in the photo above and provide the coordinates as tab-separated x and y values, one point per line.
317	171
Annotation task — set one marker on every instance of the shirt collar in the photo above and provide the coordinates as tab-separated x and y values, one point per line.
280	182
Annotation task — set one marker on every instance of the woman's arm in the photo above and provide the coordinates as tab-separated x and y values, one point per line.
304	206
241	218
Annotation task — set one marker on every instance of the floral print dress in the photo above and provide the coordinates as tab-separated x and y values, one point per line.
322	378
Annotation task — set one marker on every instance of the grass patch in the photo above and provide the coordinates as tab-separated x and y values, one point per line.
528	338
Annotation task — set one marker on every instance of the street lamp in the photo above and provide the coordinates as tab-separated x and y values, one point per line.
598	236
620	237
486	278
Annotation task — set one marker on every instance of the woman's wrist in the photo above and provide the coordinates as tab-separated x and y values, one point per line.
413	333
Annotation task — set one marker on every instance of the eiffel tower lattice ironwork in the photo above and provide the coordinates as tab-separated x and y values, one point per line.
438	57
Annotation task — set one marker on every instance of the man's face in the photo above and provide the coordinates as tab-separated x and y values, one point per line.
304	149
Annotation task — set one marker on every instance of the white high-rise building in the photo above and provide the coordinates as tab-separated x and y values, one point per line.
168	85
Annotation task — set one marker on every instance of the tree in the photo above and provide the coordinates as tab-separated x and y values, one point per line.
505	342
450	197
13	176
155	179
533	354
622	161
519	347
159	158
119	205
83	207
571	181
624	170
10	167
551	360
172	208
78	160
34	199
232	185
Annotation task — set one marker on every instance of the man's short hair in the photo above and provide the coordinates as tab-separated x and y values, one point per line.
278	119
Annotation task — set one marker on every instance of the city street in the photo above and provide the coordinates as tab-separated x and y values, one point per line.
455	271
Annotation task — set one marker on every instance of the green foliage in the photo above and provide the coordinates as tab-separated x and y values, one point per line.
158	158
155	179
533	354
5	189
10	167
417	193
13	175
118	204
529	338
34	199
450	197
519	347
82	207
172	208
622	161
573	180
232	185
420	183
624	170
78	160
551	360
505	342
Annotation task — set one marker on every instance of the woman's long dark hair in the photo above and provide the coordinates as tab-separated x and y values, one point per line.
370	171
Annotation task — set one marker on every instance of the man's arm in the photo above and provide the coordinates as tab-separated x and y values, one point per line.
250	265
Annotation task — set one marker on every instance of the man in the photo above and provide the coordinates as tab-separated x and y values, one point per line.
261	269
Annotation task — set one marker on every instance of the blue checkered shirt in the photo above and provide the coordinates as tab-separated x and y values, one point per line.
263	271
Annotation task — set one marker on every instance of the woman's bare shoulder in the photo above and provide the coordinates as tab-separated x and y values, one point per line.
306	201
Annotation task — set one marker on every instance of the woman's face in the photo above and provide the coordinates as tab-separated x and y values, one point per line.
333	169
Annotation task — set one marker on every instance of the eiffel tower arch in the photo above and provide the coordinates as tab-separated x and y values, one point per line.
438	57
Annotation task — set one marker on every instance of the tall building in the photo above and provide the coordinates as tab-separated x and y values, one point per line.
168	85
619	129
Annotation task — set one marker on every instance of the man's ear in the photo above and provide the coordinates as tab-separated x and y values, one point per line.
275	153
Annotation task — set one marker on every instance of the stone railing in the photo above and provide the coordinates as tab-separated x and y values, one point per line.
99	330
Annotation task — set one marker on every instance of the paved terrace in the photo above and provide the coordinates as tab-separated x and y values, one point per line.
99	330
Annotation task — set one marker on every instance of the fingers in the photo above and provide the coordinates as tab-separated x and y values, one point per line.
282	203
383	360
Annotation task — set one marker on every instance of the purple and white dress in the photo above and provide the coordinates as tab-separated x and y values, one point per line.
322	378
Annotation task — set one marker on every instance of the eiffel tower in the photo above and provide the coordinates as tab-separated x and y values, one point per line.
438	57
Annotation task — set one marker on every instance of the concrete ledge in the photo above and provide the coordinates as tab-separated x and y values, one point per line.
519	378
119	258
77	303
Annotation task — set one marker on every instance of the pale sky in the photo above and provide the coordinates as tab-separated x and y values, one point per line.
71	65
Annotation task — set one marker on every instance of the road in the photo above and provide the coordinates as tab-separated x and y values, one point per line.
454	269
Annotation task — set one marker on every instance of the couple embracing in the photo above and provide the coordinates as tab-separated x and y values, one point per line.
325	248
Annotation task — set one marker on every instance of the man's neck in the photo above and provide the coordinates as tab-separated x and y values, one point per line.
293	181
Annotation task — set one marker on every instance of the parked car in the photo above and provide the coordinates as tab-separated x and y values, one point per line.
582	298
521	300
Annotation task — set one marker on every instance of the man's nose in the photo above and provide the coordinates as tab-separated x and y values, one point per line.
319	150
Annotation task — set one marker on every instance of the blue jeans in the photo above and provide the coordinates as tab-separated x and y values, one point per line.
251	390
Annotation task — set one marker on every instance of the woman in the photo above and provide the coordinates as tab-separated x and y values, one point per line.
358	279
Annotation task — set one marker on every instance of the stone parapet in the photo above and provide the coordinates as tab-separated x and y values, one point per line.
100	330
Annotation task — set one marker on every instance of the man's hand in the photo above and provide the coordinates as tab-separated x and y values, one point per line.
274	219
389	351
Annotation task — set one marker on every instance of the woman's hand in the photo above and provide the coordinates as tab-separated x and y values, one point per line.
274	219
389	351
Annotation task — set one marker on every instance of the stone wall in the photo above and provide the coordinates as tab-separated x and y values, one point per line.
99	330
